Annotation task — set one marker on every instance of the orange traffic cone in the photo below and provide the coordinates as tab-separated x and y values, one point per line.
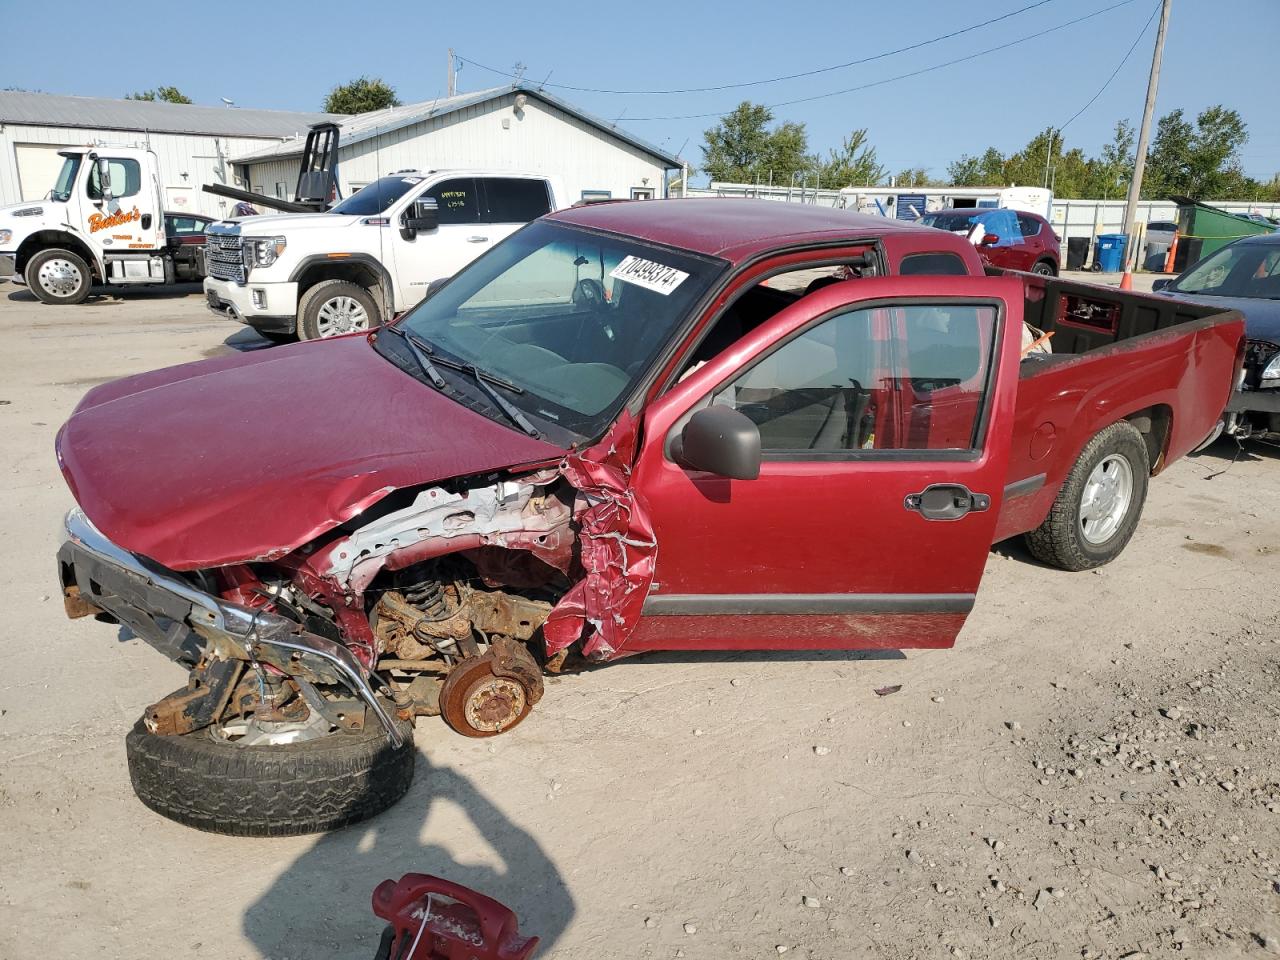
1126	281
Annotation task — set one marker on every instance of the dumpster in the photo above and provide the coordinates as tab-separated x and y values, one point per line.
1213	227
1109	257
1077	252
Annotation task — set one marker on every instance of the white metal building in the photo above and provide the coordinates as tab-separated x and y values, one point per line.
194	145
512	127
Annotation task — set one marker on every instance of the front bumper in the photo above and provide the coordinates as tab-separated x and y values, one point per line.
269	307
188	625
1254	401
8	265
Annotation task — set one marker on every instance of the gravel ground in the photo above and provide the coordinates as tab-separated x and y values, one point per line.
1091	772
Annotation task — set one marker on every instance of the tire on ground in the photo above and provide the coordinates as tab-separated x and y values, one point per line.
270	791
1045	268
1059	541
316	297
77	263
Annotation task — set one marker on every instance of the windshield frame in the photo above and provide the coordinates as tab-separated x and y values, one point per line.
562	433
73	160
371	190
1238	250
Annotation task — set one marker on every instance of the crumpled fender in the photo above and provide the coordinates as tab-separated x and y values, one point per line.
617	547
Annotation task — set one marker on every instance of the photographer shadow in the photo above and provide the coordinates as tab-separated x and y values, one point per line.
320	905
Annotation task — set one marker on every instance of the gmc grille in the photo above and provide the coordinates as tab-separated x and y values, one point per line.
224	257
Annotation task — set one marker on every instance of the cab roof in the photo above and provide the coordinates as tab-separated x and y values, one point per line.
732	229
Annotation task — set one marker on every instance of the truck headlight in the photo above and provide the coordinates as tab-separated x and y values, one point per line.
5	237
262	251
1271	372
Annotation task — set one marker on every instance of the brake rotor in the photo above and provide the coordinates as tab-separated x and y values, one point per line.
476	702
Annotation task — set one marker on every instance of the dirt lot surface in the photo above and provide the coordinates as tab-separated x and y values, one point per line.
1092	772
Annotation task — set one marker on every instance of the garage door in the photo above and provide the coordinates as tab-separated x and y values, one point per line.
38	166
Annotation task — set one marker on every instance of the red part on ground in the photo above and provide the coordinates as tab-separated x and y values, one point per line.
443	920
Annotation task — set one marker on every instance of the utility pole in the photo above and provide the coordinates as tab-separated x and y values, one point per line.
452	85
1144	138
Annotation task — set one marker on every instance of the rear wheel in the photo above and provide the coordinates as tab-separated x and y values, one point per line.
334	307
263	780
58	276
1044	268
1099	505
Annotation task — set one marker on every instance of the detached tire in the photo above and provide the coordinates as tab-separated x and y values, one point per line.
1099	505
334	307
59	277
269	791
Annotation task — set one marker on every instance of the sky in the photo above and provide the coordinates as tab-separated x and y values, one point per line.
288	55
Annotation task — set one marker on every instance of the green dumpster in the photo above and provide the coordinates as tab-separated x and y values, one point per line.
1202	229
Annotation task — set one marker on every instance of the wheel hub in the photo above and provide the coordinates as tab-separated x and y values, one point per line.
342	315
59	277
1105	501
494	704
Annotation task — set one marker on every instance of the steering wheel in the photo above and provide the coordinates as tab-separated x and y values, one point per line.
588	293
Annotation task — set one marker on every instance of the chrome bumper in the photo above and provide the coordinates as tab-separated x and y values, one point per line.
187	624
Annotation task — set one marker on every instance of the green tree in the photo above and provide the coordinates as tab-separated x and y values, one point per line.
360	96
742	149
1111	171
163	94
854	164
1200	160
984	171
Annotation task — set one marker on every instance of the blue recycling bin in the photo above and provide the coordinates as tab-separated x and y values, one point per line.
1109	254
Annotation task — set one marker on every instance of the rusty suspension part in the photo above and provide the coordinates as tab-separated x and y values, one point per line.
412	633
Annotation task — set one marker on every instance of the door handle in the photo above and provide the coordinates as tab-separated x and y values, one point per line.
946	501
477	239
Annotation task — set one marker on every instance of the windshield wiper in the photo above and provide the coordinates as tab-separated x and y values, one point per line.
421	351
484	380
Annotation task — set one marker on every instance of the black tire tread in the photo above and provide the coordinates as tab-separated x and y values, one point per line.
273	791
1057	541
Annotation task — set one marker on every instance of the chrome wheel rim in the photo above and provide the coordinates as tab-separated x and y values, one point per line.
341	315
1106	498
59	277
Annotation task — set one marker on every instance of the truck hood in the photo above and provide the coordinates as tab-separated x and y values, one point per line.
249	457
1261	317
271	224
50	213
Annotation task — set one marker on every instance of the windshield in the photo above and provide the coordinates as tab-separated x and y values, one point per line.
1237	270
377	196
572	319
66	178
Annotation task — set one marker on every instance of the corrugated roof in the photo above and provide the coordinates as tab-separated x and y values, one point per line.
364	126
55	110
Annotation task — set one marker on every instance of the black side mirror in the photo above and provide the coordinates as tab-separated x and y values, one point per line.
435	286
423	215
722	441
1161	283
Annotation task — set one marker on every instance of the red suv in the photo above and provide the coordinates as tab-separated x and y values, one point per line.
1011	239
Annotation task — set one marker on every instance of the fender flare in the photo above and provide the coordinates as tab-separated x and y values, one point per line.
385	289
55	237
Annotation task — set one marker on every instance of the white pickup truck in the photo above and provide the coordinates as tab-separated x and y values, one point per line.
101	222
374	254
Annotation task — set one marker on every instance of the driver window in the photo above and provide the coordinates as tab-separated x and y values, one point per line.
126	179
910	377
456	200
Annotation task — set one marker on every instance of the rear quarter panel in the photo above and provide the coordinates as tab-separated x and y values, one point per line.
1063	402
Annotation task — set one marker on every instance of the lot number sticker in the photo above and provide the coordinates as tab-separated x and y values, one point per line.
646	273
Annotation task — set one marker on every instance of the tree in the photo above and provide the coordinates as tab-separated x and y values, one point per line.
984	171
741	148
1201	160
854	164
360	96
1110	173
164	94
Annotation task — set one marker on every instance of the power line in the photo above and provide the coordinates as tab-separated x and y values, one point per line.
789	76
1119	67
905	76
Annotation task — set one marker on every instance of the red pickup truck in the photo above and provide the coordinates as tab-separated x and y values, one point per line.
685	424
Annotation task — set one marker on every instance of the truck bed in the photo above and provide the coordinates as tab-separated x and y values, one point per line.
1165	365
